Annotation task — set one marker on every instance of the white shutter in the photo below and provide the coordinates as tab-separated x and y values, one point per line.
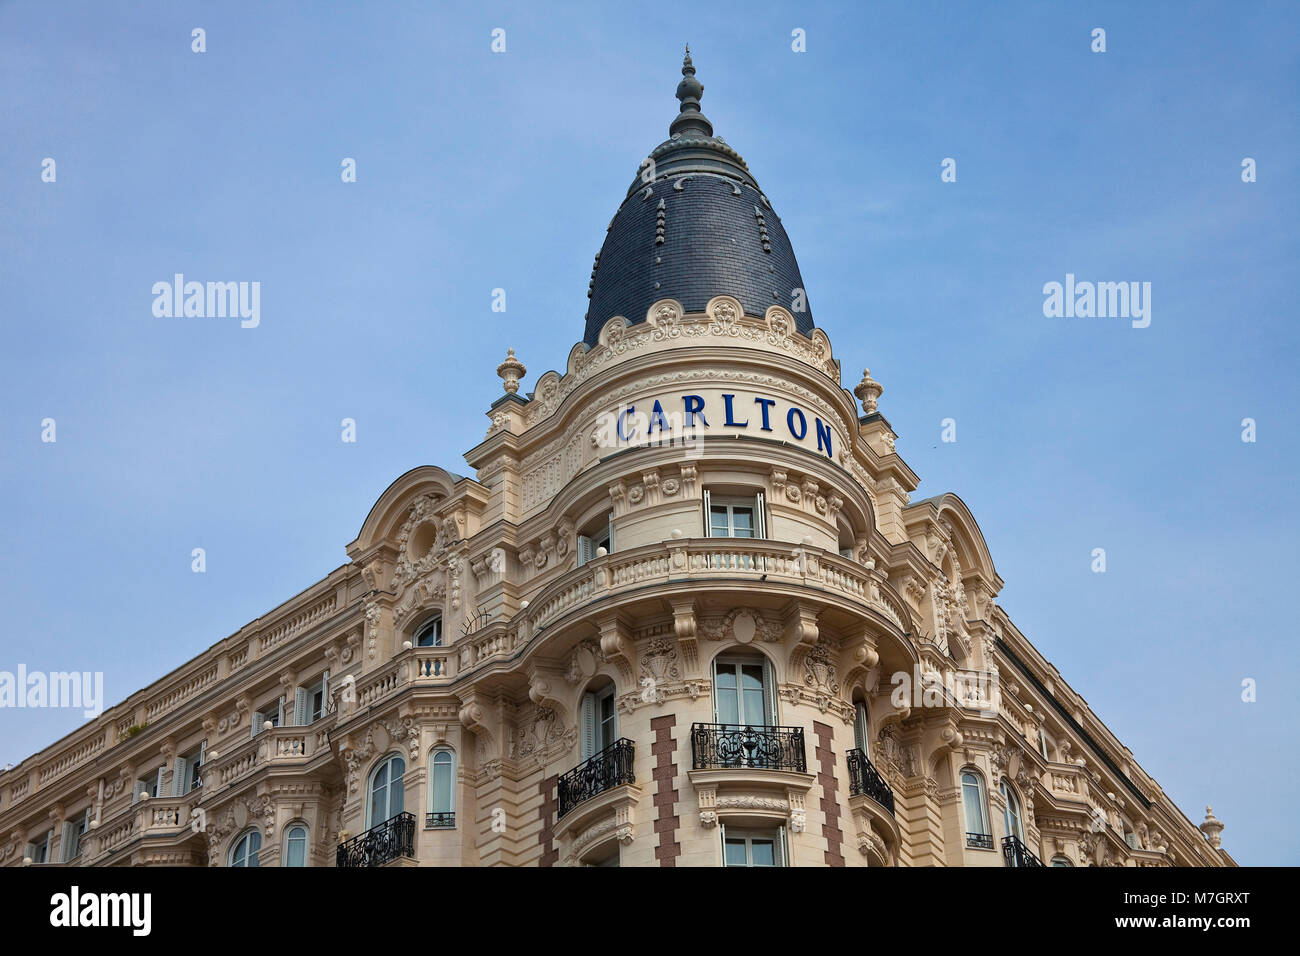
65	842
586	550
301	701
279	717
180	777
325	705
760	519
158	782
258	719
588	725
610	547
203	755
780	847
722	835
708	517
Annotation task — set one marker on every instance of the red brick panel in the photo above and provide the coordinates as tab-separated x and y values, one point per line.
830	802
665	797
547	812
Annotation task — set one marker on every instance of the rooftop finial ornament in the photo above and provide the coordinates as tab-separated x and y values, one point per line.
869	391
689	91
511	371
1212	827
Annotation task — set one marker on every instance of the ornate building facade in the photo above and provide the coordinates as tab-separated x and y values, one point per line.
685	612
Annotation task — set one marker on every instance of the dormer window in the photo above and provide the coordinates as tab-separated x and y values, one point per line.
599	535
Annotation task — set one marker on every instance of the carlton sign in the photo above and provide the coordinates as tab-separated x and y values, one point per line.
680	419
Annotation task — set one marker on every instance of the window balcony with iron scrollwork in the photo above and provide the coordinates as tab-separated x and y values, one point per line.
440	820
726	746
979	841
610	768
866	780
391	840
1017	854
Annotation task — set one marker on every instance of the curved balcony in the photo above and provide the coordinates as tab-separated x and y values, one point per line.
394	839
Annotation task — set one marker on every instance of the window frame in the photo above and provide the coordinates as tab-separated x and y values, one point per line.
1011	811
737	661
383	764
433	623
981	802
754	502
289	838
748	835
433	801
245	839
602	537
592	736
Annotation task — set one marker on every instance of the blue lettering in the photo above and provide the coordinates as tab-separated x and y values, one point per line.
622	418
803	423
658	417
695	406
726	401
823	431
766	403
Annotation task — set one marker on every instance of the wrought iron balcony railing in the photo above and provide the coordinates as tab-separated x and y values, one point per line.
440	820
1017	854
610	768
865	779
980	841
722	746
390	840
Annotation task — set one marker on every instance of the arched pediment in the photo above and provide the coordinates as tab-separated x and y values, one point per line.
392	509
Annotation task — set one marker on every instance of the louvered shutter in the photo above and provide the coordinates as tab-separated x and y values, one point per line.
180	777
326	705
586	549
769	694
258	719
66	841
610	547
301	701
708	512
588	725
760	518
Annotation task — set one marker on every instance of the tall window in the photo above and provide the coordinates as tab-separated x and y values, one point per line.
39	849
442	788
861	735
311	701
386	791
271	712
734	517
430	635
73	834
599	720
186	775
752	847
599	535
245	850
972	798
1012	812
295	845
742	691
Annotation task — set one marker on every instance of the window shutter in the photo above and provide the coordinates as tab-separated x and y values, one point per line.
180	777
588	725
279	717
29	851
722	835
258	719
610	546
300	703
760	518
708	519
860	728
585	550
326	706
158	781
780	847
65	842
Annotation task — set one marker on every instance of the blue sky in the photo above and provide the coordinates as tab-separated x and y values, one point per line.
479	171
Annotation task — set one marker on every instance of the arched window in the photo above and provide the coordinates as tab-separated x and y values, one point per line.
430	634
1011	815
1061	861
977	821
742	690
599	719
442	790
295	846
861	733
386	791
244	852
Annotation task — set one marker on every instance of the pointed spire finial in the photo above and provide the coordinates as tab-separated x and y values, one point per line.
689	91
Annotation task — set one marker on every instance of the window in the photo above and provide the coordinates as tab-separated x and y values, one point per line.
386	791
311	701
442	789
272	711
1042	744
295	845
734	517
73	833
430	635
1011	818
972	797
39	849
244	852
599	720
742	691
752	847
861	734
186	775
1131	839
150	786
845	543
598	536
1061	861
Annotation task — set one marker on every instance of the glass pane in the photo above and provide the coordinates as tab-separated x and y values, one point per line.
718	521
441	786
297	850
764	852
742	522
735	853
751	676
727	702
971	797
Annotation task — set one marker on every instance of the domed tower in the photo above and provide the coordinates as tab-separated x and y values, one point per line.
693	223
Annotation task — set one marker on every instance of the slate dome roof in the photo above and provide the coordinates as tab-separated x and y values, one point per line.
692	226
